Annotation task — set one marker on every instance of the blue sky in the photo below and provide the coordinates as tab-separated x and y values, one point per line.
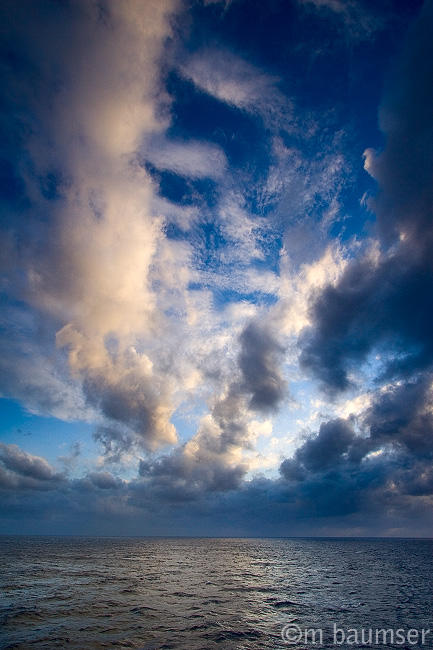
216	280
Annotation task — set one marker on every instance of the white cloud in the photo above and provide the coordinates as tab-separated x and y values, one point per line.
192	159
298	285
104	249
238	83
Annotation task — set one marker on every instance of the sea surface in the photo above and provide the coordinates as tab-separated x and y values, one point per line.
194	593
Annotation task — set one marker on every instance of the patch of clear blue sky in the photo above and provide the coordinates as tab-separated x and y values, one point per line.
43	436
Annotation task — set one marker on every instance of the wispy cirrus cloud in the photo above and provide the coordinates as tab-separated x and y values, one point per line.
238	83
358	19
191	159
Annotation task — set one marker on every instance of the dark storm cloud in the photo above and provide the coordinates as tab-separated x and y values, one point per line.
380	495
105	481
343	470
404	168
331	474
181	477
417	480
387	307
386	465
259	362
403	414
371	493
387	303
327	473
327	448
19	469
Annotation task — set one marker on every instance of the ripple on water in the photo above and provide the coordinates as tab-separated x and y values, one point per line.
198	594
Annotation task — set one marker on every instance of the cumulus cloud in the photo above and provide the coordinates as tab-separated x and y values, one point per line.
93	268
377	311
379	305
383	302
338	472
328	447
402	413
380	492
211	461
105	481
103	275
18	469
259	362
214	459
380	459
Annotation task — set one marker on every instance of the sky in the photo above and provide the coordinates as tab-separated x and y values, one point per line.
216	269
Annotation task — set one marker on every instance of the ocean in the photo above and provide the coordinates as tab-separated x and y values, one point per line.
199	593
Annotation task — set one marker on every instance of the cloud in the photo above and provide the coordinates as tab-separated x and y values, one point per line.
382	493
91	269
30	370
125	388
377	305
236	82
188	474
115	442
211	461
379	460
358	20
70	460
383	301
259	361
18	469
191	159
402	169
102	272
103	275
304	191
327	449
403	413
216	458
105	481
299	284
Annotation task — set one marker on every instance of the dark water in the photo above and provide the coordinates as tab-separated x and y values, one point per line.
209	593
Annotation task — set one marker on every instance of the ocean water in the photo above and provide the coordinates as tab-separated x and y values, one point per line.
66	592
